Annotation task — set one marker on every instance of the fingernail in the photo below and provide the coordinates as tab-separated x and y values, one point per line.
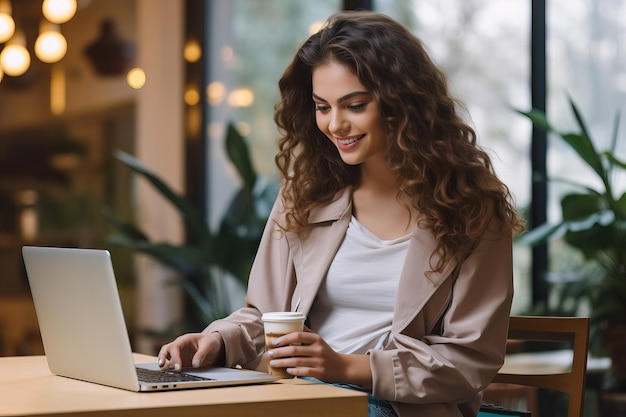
270	353
273	363
177	367
276	342
160	362
196	363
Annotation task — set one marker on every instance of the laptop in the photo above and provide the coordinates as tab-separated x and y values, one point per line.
83	329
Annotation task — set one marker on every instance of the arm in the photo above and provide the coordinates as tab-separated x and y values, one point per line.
239	338
453	366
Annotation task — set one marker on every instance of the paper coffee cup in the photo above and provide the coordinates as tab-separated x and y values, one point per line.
278	324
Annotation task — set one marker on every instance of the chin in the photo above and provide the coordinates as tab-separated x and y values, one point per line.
351	161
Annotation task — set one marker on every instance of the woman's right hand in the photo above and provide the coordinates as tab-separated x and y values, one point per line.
192	349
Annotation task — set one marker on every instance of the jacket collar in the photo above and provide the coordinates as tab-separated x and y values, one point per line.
318	245
341	204
418	283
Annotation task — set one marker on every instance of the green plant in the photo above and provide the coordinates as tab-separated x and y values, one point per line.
207	257
593	222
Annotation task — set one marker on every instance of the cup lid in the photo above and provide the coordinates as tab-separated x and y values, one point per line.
283	316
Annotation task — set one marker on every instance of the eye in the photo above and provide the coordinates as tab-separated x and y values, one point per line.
322	108
356	107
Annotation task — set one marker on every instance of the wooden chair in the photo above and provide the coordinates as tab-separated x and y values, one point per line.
554	329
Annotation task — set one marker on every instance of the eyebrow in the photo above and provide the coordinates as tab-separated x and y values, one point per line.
344	98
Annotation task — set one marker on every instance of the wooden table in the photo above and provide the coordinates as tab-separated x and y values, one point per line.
27	388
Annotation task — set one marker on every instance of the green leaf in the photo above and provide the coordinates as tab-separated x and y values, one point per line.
128	229
615	130
184	258
579	118
576	184
583	146
620	207
541	234
203	305
579	142
577	206
590	241
194	220
237	151
614	160
538	118
548	231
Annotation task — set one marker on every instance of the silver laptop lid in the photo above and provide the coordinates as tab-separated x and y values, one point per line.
80	316
83	329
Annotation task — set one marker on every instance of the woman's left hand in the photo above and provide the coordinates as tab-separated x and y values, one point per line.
307	354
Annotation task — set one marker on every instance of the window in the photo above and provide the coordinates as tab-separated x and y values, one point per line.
586	49
483	46
251	43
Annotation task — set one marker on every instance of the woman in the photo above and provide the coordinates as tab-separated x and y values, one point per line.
391	233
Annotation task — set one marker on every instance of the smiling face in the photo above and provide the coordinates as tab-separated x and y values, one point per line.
347	114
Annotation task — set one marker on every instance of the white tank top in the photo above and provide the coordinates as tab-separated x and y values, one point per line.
353	309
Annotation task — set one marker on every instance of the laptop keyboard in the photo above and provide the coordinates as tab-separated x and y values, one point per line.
154	376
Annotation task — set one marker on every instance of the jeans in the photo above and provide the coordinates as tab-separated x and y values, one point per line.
376	407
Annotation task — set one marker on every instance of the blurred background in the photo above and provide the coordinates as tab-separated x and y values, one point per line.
186	89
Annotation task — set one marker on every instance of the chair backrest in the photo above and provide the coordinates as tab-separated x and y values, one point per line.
546	329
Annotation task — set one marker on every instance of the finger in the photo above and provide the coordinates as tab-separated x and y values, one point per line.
294	339
299	363
288	351
201	354
163	356
174	361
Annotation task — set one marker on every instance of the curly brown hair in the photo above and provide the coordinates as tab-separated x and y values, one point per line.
448	178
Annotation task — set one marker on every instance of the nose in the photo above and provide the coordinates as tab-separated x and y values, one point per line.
337	124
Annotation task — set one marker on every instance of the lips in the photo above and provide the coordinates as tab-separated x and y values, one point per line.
350	141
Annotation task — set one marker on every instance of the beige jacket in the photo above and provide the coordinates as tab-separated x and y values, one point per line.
448	331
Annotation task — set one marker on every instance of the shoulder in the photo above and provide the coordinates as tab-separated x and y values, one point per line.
338	207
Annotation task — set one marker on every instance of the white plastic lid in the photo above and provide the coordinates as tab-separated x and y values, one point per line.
281	316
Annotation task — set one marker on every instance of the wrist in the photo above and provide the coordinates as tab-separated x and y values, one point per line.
358	370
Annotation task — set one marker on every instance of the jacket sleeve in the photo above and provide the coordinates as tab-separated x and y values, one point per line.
455	363
270	287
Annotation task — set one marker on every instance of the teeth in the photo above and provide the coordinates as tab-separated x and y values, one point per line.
349	141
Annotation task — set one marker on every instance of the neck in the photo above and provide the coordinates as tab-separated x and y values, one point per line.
377	206
377	176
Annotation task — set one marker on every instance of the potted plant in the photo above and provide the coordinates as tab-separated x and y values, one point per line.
208	258
594	223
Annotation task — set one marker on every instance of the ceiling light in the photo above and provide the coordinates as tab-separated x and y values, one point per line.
58	11
15	58
7	24
136	78
241	97
192	52
51	45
